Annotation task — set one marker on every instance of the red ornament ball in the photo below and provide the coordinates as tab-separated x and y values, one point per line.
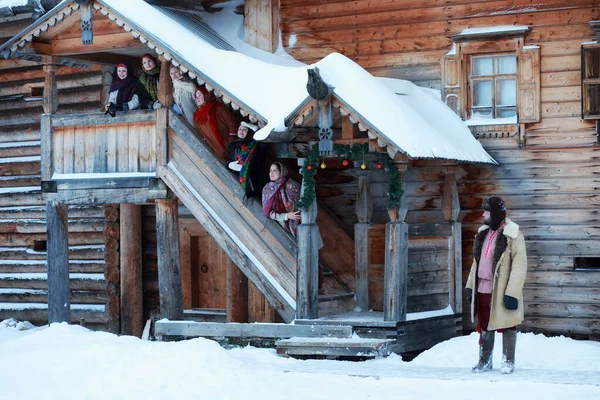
345	163
379	166
309	167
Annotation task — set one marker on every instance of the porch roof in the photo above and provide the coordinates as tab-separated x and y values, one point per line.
414	123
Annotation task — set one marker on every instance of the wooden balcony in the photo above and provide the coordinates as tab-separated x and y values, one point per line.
96	159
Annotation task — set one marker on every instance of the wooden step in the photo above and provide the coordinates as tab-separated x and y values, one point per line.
40	281
20	149
29	165
333	347
335	296
20	181
15	295
30	266
205	315
254	330
83	252
39	212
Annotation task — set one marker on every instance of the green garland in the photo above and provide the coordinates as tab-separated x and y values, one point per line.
355	151
308	177
395	188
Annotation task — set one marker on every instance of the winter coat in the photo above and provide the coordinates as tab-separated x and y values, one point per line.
183	94
510	268
226	123
133	104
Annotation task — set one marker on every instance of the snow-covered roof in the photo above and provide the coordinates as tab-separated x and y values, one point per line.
414	123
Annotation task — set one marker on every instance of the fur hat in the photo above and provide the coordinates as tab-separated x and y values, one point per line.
249	125
494	204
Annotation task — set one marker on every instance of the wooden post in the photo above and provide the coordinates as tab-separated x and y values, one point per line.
111	273
396	271
450	200
50	98
307	272
237	294
396	259
46	148
132	304
364	211
59	302
456	269
169	272
165	84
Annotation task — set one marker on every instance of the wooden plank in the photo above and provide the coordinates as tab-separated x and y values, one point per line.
122	148
361	240
112	135
338	348
131	117
256	330
106	196
112	264
134	148
259	309
68	155
79	149
169	270
186	267
237	294
455	268
74	183
90	148
46	147
101	147
162	132
307	276
146	148
59	303
57	155
396	272
132	316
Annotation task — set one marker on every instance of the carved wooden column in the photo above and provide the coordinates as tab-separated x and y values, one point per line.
50	99
169	270
132	304
307	273
59	302
396	260
451	211
364	212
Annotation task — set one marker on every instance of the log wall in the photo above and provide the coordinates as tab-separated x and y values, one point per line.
549	186
23	284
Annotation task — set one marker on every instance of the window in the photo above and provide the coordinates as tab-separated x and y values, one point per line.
586	263
493	85
590	82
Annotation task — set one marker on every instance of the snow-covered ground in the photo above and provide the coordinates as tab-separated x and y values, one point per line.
71	362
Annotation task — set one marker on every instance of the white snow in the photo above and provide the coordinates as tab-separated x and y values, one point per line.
23	189
491	121
493	29
20	159
32	143
70	362
44	306
42	276
108	175
275	91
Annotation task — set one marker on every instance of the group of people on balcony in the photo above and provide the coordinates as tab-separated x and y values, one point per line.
230	138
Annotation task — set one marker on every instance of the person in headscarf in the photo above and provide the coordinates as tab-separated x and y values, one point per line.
183	93
214	122
279	198
247	156
149	78
124	91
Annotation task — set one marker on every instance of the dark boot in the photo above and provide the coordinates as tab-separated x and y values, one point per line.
486	350
509	342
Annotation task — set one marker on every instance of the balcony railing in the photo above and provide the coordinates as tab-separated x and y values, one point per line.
93	158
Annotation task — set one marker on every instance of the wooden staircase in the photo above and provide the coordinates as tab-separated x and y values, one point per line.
263	251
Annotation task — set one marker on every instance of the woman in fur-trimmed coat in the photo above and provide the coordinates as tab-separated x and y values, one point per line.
495	283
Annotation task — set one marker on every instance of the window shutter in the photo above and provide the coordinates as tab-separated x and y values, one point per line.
451	72
528	85
590	81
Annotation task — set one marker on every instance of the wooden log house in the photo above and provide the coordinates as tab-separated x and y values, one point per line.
229	265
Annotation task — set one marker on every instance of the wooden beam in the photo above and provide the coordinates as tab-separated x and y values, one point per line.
132	304
450	200
396	272
364	211
349	129
169	271
59	300
111	270
307	277
237	294
165	85
50	98
456	268
101	119
46	147
112	42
